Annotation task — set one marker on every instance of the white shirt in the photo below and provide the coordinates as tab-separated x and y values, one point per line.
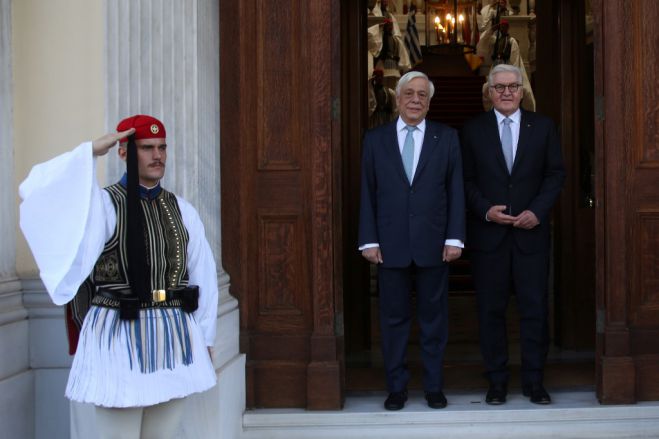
516	118
418	135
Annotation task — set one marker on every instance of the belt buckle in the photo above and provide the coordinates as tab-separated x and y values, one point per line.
159	295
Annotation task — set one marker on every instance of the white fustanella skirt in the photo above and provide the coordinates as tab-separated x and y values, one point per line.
142	362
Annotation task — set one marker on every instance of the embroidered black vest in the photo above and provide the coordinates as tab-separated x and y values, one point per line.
166	240
166	245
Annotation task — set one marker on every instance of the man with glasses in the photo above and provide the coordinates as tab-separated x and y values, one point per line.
499	46
412	225
513	173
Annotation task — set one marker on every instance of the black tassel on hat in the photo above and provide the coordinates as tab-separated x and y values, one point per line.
138	267
139	272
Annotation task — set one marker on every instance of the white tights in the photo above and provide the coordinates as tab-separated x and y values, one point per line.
160	421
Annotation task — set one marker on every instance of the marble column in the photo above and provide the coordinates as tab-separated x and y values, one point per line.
16	378
7	193
163	59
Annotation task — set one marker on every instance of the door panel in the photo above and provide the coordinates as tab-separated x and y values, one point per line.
627	134
280	231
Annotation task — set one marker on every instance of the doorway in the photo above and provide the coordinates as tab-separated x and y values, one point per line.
565	61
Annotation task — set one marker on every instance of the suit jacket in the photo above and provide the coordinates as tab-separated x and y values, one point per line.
534	184
411	222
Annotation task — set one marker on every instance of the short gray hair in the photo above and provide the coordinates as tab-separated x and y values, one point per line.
407	77
504	68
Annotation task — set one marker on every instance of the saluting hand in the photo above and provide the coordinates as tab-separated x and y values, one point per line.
102	145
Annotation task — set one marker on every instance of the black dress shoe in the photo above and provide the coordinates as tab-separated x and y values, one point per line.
436	400
396	400
496	394
536	394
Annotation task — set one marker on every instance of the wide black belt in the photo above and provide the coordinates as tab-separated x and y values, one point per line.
186	298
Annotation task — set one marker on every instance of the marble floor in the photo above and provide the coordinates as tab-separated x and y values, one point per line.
573	414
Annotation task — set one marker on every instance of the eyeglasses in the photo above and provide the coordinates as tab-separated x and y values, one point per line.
500	88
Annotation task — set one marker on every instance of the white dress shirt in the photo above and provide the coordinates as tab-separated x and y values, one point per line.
516	117
417	134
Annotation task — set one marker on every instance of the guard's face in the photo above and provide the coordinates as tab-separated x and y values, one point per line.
505	102
151	159
414	101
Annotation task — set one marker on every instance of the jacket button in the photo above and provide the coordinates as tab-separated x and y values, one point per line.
510	186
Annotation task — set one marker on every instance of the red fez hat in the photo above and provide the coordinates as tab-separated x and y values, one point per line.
146	127
503	21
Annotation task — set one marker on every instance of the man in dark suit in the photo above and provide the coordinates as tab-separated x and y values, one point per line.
412	223
513	173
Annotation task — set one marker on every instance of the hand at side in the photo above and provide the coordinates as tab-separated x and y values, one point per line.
451	253
372	255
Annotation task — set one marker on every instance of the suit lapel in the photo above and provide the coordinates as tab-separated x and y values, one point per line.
492	132
391	146
430	140
525	130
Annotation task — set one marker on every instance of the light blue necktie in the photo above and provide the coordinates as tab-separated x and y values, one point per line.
507	143
408	153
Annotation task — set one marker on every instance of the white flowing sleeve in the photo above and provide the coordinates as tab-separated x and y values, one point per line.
66	219
202	271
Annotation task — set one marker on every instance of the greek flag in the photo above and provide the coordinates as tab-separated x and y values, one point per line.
412	38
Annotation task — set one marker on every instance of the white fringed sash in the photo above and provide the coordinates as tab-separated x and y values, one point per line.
128	363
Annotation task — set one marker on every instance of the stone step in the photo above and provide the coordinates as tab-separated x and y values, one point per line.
573	415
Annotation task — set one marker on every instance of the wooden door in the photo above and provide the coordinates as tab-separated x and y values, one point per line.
281	216
564	85
627	195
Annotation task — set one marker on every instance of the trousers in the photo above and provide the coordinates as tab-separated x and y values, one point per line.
160	421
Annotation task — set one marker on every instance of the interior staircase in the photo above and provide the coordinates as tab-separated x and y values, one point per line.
457	99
